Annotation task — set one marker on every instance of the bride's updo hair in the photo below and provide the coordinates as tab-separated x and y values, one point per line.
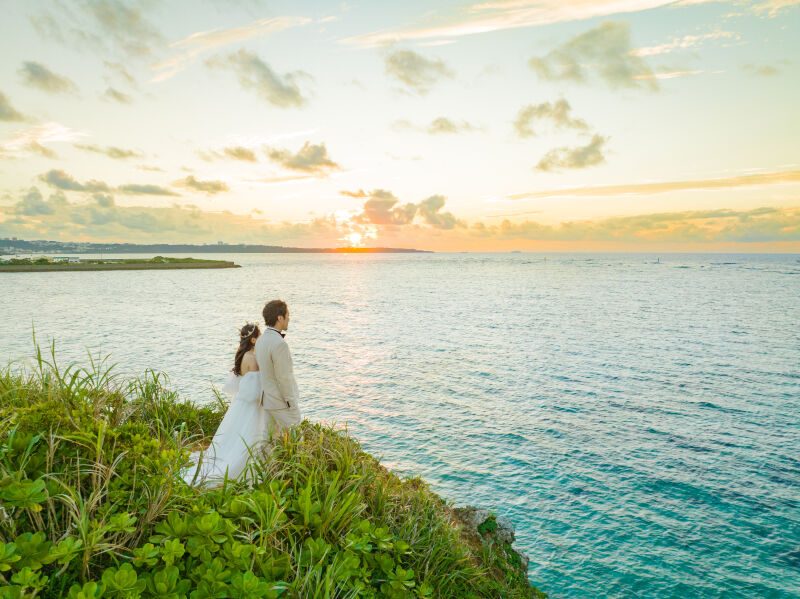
246	334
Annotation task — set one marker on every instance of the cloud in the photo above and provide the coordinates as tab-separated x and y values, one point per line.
255	74
117	96
119	69
32	204
203	41
579	157
772	178
310	158
437	126
62	180
36	148
416	72
7	112
604	49
32	140
682	43
107	27
39	76
557	113
242	153
209	187
445	125
383	208
99	218
703	226
773	8
138	189
668	75
111	151
485	17
430	210
354	194
760	70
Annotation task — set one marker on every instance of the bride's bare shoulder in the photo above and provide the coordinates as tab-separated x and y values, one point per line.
249	362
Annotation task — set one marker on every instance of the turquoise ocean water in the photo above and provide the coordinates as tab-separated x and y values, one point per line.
636	416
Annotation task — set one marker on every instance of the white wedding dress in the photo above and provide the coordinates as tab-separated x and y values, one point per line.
244	426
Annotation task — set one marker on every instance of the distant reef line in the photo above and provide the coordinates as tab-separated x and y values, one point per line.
11	246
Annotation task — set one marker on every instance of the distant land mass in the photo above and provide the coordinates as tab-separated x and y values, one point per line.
12	245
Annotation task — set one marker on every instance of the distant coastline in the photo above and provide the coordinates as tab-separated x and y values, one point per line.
16	246
157	263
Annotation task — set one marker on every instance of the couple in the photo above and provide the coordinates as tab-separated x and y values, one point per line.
264	400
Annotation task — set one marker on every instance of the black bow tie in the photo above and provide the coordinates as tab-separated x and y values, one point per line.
282	334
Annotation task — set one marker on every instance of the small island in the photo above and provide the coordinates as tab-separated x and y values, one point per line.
46	263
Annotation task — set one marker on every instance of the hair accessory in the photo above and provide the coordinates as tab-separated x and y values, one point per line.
252	329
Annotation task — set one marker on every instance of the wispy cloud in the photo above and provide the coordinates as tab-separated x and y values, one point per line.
354	194
416	72
61	180
440	125
66	182
231	152
26	141
204	41
8	112
146	189
486	17
702	226
207	187
117	96
764	70
557	113
39	76
682	43
255	74
111	151
604	50
109	27
668	75
574	157
771	178
121	71
772	8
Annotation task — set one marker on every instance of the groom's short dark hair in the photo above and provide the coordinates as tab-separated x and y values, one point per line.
272	310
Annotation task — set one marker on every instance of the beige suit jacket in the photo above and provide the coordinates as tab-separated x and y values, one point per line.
276	371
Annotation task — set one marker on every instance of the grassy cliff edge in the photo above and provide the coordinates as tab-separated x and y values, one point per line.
92	505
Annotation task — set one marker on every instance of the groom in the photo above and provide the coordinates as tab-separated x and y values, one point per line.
279	395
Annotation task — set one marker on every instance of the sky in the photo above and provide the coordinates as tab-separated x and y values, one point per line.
497	125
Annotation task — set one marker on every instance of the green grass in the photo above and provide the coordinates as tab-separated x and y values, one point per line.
92	505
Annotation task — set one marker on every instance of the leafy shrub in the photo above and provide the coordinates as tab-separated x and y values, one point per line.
92	505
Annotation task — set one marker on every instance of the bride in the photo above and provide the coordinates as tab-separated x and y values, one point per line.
244	426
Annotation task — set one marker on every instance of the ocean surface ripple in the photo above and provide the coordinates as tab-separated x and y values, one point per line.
638	418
